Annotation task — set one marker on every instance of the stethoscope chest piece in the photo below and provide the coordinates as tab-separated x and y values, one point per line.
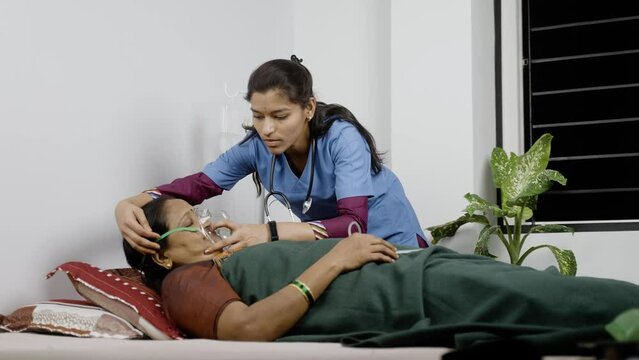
307	205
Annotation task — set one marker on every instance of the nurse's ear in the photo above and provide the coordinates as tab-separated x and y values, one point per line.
309	109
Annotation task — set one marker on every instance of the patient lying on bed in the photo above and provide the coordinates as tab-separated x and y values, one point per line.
359	288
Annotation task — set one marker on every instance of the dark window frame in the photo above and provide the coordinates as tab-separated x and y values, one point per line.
585	225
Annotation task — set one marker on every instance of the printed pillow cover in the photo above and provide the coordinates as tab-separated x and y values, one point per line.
123	295
69	317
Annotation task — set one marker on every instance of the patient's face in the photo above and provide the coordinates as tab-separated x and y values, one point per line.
185	247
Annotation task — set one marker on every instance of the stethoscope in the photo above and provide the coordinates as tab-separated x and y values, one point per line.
308	202
271	192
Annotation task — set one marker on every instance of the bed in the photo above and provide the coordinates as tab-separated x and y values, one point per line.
120	318
31	346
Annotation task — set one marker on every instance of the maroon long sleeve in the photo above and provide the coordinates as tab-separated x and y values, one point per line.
193	188
351	209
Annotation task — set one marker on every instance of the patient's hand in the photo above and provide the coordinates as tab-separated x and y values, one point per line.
242	235
359	249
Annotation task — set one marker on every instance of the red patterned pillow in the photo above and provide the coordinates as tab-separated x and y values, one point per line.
69	317
123	296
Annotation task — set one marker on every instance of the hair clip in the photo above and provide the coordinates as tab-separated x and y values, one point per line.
296	59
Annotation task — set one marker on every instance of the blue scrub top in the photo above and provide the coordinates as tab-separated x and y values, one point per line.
342	170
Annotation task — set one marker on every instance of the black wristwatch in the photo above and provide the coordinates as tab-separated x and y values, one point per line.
273	227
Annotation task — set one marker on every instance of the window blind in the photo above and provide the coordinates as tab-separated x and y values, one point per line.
581	84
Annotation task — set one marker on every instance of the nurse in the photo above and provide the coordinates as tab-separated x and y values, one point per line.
315	156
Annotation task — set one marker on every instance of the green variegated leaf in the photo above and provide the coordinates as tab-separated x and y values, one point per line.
479	219
499	166
477	203
550	228
565	259
507	192
530	203
536	185
514	211
511	212
526	168
517	203
481	248
528	213
555	176
450	228
531	188
555	228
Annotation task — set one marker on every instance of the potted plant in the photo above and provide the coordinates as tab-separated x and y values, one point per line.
521	179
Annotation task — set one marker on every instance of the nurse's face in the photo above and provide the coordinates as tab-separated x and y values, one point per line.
184	247
281	124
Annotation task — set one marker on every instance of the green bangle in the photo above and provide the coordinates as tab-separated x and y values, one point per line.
301	292
305	291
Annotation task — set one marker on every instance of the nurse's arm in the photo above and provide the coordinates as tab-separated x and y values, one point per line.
293	231
245	235
133	225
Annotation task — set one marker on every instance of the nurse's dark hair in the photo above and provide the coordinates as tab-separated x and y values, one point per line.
153	274
296	82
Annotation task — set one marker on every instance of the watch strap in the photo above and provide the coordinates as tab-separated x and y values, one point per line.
273	228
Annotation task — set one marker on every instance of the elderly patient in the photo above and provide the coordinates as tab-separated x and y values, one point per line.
360	287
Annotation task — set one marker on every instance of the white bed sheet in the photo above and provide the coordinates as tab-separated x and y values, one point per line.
31	346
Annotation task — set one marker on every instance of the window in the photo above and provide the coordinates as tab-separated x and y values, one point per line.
581	84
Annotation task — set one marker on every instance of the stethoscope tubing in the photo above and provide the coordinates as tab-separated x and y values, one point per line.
271	192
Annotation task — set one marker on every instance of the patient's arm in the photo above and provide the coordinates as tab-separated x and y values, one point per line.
272	317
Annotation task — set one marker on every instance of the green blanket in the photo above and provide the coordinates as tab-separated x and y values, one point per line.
436	297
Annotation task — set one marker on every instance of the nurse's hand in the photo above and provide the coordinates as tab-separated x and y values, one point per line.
242	235
135	228
358	249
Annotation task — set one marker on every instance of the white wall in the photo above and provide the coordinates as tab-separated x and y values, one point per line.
482	20
346	46
100	100
432	105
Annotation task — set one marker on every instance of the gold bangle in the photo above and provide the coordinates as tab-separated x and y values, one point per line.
301	292
308	294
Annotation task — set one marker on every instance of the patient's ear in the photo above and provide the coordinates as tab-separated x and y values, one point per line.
162	260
